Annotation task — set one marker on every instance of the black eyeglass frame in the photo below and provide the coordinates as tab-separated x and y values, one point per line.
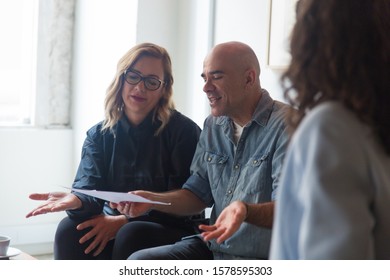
142	79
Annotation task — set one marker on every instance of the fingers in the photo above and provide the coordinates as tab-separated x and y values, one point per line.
36	213
90	234
138	209
91	246
97	234
30	214
113	205
215	234
224	235
121	207
124	208
41	210
207	227
39	196
133	209
100	248
83	225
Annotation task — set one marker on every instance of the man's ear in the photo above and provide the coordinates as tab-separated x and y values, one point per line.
250	76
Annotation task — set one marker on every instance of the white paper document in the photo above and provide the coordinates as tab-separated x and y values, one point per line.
117	197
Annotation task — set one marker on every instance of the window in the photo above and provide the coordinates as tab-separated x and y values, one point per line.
18	31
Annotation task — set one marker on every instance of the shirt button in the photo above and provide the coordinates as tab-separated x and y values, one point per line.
209	159
255	161
229	192
237	166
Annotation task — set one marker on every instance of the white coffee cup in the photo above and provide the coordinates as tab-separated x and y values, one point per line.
4	245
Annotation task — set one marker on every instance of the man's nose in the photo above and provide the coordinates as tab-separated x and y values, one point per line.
208	86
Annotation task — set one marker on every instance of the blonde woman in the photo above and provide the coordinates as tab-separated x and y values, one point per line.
143	143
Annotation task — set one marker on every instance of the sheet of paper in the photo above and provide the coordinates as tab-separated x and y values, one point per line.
117	197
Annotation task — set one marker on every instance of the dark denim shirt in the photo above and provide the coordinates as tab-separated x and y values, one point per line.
132	158
223	172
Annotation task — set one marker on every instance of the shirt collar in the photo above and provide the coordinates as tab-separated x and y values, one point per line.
146	124
263	109
262	112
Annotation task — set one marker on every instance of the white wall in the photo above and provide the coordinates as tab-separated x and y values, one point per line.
32	160
248	21
185	35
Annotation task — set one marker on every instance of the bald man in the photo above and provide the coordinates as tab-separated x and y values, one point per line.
236	166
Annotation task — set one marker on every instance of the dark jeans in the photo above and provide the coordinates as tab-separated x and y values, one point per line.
136	235
188	249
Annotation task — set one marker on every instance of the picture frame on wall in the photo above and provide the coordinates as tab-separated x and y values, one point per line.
282	20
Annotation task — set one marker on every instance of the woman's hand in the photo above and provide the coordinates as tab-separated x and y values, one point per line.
55	202
103	228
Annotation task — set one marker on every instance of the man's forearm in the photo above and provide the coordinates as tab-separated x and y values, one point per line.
182	203
261	214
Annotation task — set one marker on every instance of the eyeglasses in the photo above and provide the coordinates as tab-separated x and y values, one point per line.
134	78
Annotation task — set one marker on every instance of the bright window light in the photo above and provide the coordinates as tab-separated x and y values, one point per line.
18	31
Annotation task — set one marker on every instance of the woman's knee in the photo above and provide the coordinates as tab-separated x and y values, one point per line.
66	229
66	240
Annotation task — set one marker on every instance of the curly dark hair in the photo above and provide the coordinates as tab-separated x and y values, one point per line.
340	50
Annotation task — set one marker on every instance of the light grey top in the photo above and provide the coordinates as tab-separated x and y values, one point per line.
333	201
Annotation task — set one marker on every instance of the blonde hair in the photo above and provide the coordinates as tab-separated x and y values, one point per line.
114	104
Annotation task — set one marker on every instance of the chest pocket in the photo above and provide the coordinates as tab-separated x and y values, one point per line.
256	175
216	164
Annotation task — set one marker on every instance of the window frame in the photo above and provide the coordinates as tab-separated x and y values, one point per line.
48	102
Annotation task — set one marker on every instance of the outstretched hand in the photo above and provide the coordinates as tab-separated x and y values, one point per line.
55	202
228	222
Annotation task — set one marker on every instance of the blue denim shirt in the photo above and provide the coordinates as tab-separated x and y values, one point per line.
222	172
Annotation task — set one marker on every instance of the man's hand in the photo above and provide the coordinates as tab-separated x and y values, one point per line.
133	209
103	229
55	202
227	223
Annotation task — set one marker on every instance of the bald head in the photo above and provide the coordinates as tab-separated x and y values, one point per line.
231	74
236	54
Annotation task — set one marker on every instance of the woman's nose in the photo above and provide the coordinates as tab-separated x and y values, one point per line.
140	86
